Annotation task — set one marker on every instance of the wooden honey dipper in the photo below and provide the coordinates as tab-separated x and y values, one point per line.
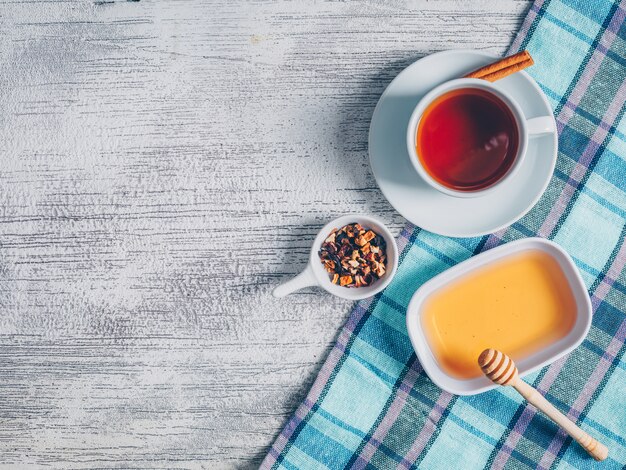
501	369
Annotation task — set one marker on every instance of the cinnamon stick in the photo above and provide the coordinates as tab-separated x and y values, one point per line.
503	67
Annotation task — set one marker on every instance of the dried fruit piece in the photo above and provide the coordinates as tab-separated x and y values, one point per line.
380	270
369	235
345	280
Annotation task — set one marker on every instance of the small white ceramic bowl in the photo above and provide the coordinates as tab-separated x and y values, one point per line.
526	365
315	274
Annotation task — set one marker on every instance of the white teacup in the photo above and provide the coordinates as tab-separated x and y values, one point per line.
525	128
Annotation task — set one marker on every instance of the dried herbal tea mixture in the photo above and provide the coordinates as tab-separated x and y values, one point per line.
354	256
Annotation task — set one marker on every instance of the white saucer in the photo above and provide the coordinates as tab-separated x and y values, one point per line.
423	205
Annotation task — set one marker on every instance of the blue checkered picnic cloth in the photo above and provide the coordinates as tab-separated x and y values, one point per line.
372	406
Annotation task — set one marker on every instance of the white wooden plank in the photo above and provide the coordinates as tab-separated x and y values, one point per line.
164	165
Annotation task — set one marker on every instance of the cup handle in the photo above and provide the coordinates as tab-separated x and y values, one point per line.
540	125
305	279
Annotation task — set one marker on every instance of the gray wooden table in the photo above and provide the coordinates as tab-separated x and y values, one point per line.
164	164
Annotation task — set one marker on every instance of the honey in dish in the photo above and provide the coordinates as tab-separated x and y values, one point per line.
519	304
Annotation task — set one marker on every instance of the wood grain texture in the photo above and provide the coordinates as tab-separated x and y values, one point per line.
164	164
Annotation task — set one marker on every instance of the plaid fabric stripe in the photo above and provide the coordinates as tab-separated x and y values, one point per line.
372	406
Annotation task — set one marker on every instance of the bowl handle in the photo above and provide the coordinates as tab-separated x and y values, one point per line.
540	125
305	279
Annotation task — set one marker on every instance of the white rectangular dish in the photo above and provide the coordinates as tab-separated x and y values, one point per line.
527	364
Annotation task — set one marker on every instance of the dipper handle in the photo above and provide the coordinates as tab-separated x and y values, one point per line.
594	448
501	369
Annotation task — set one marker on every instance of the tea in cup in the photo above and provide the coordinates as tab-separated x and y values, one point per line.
466	137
